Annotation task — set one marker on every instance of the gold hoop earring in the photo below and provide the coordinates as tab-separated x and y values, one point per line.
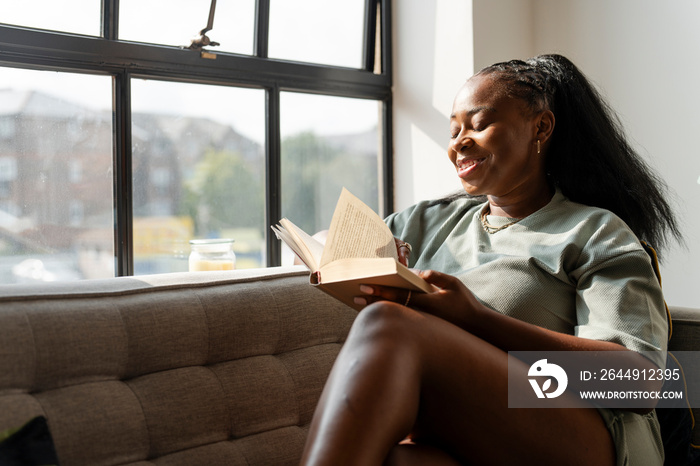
538	146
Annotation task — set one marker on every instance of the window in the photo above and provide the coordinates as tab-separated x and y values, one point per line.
324	31
327	143
121	142
77	16
75	171
177	22
57	166
8	168
198	164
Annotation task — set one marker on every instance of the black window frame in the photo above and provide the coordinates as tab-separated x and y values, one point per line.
122	60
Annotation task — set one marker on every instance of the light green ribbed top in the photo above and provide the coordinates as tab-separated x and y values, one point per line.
568	267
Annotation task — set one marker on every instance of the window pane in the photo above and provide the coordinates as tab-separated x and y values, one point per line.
55	176
327	143
78	16
317	31
177	22
198	172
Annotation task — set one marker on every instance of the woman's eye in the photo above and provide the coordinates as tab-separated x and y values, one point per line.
480	124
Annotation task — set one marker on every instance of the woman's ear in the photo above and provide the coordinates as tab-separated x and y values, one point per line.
545	125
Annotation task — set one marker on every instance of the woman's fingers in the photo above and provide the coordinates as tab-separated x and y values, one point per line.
451	301
403	256
404	251
439	279
373	293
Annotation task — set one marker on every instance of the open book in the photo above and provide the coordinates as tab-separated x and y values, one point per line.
359	249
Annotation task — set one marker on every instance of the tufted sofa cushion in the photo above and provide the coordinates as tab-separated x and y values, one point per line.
179	369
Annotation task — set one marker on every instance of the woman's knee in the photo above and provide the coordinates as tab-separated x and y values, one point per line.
384	317
387	323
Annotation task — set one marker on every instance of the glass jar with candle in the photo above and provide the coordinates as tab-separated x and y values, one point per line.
211	254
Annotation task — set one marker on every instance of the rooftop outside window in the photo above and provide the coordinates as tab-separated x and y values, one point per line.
56	205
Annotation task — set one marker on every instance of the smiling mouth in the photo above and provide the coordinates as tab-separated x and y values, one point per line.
466	166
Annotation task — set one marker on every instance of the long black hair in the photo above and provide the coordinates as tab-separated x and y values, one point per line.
589	158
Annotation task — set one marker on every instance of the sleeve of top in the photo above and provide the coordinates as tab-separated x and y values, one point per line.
410	225
428	223
400	222
619	299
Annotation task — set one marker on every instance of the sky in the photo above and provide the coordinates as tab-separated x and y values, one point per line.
323	31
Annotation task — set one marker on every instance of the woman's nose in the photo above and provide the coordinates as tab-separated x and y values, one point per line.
462	143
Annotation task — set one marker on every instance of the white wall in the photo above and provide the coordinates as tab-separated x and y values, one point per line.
503	30
432	59
643	54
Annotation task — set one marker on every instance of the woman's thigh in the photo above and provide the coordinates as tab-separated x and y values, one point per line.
464	400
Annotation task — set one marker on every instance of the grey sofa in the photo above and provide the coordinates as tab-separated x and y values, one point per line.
207	368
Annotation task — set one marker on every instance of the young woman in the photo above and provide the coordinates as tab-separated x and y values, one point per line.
542	252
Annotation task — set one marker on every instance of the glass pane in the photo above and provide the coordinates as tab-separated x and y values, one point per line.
177	22
317	31
198	172
55	176
78	16
327	143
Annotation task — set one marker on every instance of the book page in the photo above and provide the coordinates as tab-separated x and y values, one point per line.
307	248
357	231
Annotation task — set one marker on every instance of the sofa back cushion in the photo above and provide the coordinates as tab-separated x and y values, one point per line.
203	368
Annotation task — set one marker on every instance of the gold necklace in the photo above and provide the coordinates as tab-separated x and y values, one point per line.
490	229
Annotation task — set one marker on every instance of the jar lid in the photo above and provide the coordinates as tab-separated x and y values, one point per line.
203	242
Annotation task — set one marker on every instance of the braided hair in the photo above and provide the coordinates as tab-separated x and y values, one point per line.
589	158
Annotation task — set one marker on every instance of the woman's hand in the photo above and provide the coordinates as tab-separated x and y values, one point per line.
452	300
404	251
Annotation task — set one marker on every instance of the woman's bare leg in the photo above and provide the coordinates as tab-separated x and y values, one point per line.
402	371
367	395
419	455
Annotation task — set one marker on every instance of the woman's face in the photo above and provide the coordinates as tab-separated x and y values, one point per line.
493	143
